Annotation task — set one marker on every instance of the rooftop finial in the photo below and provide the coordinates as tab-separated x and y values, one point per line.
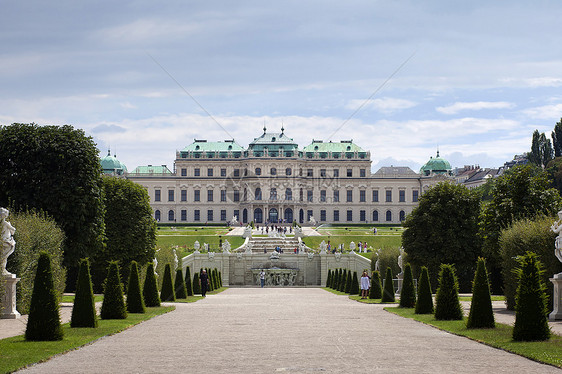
437	151
282	128
108	151
264	128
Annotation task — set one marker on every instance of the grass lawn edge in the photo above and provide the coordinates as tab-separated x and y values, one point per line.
358	298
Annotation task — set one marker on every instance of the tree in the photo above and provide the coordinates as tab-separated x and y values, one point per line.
408	292
348	282
150	287
84	310
557	139
447	304
180	291
167	291
424	304
444	228
354	289
375	292
196	285
541	150
388	288
188	284
55	169
522	192
530	316
113	306
329	278
135	301
481	313
343	281
43	322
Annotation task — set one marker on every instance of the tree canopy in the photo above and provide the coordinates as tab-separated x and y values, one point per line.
557	138
541	150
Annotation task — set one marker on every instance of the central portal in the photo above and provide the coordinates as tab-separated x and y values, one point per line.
273	215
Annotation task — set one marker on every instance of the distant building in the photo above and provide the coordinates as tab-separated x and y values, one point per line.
112	166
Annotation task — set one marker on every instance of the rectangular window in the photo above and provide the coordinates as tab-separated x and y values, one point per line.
209	172
223	215
362	173
288	171
322	173
309	173
309	195
308	215
196	215
349	215
336	196
273	194
183	196
236	172
223	172
336	215
197	172
209	195
401	196
273	171
415	196
209	215
375	196
388	196
362	198
322	215
349	173
322	195
183	172
223	195
349	198
197	195
156	195
301	195
362	215
336	173
236	195
184	215
170	195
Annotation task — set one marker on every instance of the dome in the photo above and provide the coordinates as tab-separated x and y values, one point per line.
111	165
436	165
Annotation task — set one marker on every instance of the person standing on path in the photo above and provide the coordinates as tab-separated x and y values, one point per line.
204	282
365	283
262	278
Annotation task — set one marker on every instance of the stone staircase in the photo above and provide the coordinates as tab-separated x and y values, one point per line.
269	244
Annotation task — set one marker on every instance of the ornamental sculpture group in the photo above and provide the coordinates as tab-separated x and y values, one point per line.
557	278
10	280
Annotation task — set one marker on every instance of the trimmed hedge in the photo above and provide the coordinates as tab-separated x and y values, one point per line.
447	304
348	282
481	313
84	308
167	291
408	292
196	285
150	287
188	284
424	304
113	306
343	281
135	301
329	278
376	290
354	289
180	290
388	291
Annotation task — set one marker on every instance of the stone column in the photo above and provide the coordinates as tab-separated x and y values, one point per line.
9	300
557	298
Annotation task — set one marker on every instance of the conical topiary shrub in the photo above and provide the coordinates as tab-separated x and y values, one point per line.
343	282
188	284
181	292
216	276
84	309
167	291
328	279
481	313
408	292
376	290
196	285
210	277
113	306
349	282
220	278
43	322
354	290
150	288
424	304
335	279
135	301
530	309
388	288
447	305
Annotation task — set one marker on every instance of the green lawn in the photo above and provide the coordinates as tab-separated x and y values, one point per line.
548	352
192	299
185	237
375	241
70	298
357	297
16	352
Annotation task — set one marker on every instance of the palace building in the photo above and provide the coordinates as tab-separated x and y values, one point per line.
273	180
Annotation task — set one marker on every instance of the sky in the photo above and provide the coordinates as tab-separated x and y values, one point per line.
402	79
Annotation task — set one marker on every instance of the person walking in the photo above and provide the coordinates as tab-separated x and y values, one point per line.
204	282
365	283
262	278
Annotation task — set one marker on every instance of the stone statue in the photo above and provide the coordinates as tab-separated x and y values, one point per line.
155	265
176	261
196	246
556	228
378	262
8	242
352	246
401	260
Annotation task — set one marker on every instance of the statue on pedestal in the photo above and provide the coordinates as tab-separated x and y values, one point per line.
557	228
8	242
401	260
556	280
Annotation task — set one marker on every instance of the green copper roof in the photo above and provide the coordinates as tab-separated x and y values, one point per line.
150	169
205	146
111	165
273	142
436	165
343	146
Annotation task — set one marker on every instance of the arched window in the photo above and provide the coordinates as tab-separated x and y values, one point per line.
375	215
258	193
171	215
157	216
258	215
388	216
402	216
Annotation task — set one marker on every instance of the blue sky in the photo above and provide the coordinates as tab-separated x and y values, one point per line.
482	75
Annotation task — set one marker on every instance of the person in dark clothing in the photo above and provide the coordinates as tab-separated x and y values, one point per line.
204	282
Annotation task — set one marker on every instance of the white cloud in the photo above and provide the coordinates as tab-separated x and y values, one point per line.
534	82
549	112
384	105
477	105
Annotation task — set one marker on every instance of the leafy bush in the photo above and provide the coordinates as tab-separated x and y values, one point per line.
43	322
388	259
164	256
408	292
188	284
84	309
528	236
113	306
424	304
167	291
447	305
354	289
150	288
135	301
481	313
388	291
35	232
530	313
196	285
375	291
180	290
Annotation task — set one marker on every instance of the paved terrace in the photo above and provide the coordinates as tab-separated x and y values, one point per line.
296	330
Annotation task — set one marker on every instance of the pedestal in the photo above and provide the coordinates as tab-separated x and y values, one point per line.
557	299
400	279
9	300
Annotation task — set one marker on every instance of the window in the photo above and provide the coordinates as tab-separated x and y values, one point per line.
336	196
273	194
288	194
309	173
209	195
375	196
309	196
236	172
336	215
362	173
388	196
170	195
245	196
401	196
388	216
415	196
258	171
156	195
183	172
184	215
301	195
288	171
223	215
197	195
323	215
402	216
237	214
273	171
197	172
336	173
349	215
209	172
362	198
349	198
236	195
362	216
171	215
349	173
375	215
196	215
183	194
223	195
223	172
157	215
258	194
209	215
308	215
323	173
322	195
